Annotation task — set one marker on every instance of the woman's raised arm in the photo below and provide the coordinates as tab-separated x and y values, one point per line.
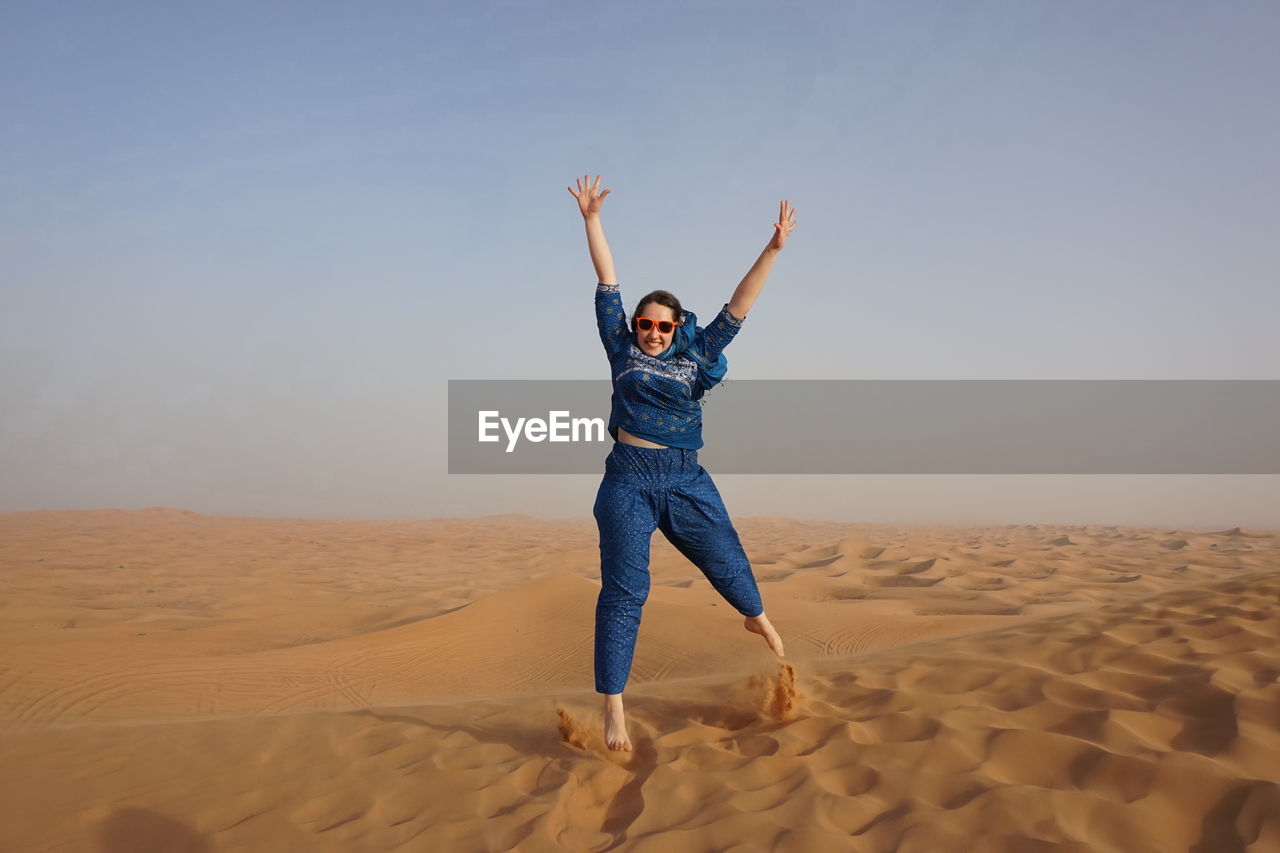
751	285
590	201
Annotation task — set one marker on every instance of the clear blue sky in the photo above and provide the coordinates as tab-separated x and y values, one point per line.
245	245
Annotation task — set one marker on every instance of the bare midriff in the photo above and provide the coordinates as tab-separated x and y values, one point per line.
627	438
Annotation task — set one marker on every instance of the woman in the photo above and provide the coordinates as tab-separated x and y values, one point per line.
662	364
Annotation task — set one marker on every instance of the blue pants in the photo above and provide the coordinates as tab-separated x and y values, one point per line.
643	489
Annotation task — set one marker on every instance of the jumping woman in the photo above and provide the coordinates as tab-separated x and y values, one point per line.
662	363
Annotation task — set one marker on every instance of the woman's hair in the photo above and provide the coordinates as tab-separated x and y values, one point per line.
661	297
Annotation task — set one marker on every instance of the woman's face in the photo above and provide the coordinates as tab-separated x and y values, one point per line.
653	341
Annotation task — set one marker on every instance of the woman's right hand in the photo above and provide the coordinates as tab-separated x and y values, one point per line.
589	197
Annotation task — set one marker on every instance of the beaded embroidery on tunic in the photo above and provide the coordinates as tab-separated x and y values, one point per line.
680	368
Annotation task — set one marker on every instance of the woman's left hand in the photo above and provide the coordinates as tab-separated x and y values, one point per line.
783	227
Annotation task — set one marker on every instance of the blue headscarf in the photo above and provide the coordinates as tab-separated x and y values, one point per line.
688	341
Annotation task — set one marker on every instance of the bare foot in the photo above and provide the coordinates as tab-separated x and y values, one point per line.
615	724
760	625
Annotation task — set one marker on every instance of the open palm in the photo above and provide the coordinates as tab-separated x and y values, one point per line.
588	195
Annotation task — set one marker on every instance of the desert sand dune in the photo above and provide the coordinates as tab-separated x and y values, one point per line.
176	681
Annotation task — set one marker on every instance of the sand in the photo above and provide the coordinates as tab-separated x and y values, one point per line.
175	681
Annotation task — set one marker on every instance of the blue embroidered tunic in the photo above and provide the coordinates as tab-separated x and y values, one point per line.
660	397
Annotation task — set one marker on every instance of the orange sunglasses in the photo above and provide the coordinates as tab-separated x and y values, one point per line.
666	327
